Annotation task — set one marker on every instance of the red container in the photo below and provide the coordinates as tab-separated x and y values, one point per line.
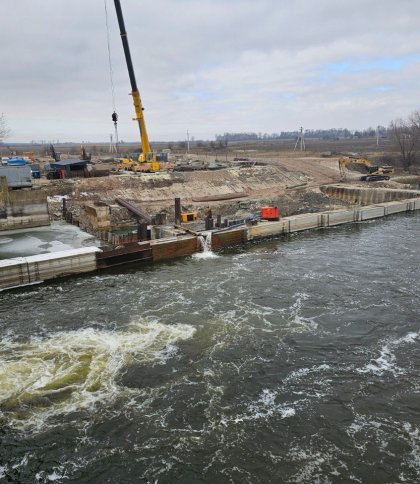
270	213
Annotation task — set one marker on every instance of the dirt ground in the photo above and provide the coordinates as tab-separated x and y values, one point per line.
290	182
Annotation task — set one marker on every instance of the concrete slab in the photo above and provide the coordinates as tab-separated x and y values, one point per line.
337	217
370	212
21	271
304	222
394	207
267	229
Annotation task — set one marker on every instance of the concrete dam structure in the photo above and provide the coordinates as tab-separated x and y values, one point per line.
22	208
36	269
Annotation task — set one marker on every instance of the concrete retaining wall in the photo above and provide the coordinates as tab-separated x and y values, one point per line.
367	196
267	229
304	222
337	217
396	207
368	213
328	219
22	271
29	270
22	208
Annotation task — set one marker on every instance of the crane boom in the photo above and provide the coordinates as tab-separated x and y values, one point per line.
146	154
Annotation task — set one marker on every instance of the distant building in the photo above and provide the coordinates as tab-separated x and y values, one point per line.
69	168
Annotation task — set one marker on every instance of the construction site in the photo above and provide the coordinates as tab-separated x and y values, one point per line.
236	309
130	195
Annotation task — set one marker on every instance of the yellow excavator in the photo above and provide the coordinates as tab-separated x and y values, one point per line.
147	160
84	155
374	172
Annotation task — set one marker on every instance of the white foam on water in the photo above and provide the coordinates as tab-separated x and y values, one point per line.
413	434
310	465
53	477
72	371
206	252
299	322
265	407
297	375
365	431
205	255
387	361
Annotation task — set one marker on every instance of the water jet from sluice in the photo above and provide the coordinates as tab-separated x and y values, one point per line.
206	252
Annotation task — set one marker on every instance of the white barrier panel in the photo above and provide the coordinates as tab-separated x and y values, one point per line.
337	217
265	229
21	271
304	222
368	213
394	207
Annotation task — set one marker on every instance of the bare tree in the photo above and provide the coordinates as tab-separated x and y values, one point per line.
4	130
415	120
406	138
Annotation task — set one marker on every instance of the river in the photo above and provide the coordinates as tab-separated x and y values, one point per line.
293	360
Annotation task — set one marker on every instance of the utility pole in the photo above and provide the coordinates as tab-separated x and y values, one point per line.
112	147
300	139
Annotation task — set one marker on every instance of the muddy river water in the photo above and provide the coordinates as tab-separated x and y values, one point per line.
292	360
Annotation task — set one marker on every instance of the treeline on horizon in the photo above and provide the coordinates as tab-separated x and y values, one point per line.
332	133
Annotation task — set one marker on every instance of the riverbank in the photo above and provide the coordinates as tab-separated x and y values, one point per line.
36	269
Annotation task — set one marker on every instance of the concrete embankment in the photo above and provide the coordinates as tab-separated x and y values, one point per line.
366	195
21	209
22	271
29	270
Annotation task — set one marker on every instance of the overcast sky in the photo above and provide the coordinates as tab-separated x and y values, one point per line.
207	66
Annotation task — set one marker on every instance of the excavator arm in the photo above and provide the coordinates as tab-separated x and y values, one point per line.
375	172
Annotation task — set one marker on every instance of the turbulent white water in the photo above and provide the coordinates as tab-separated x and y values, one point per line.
206	252
293	360
76	370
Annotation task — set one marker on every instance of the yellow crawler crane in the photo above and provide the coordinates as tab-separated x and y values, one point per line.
375	172
147	160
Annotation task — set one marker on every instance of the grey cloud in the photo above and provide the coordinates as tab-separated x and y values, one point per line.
209	64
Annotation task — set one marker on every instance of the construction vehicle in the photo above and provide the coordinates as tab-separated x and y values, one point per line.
147	159
374	172
29	155
55	155
84	155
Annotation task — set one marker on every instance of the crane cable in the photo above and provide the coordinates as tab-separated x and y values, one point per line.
111	76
